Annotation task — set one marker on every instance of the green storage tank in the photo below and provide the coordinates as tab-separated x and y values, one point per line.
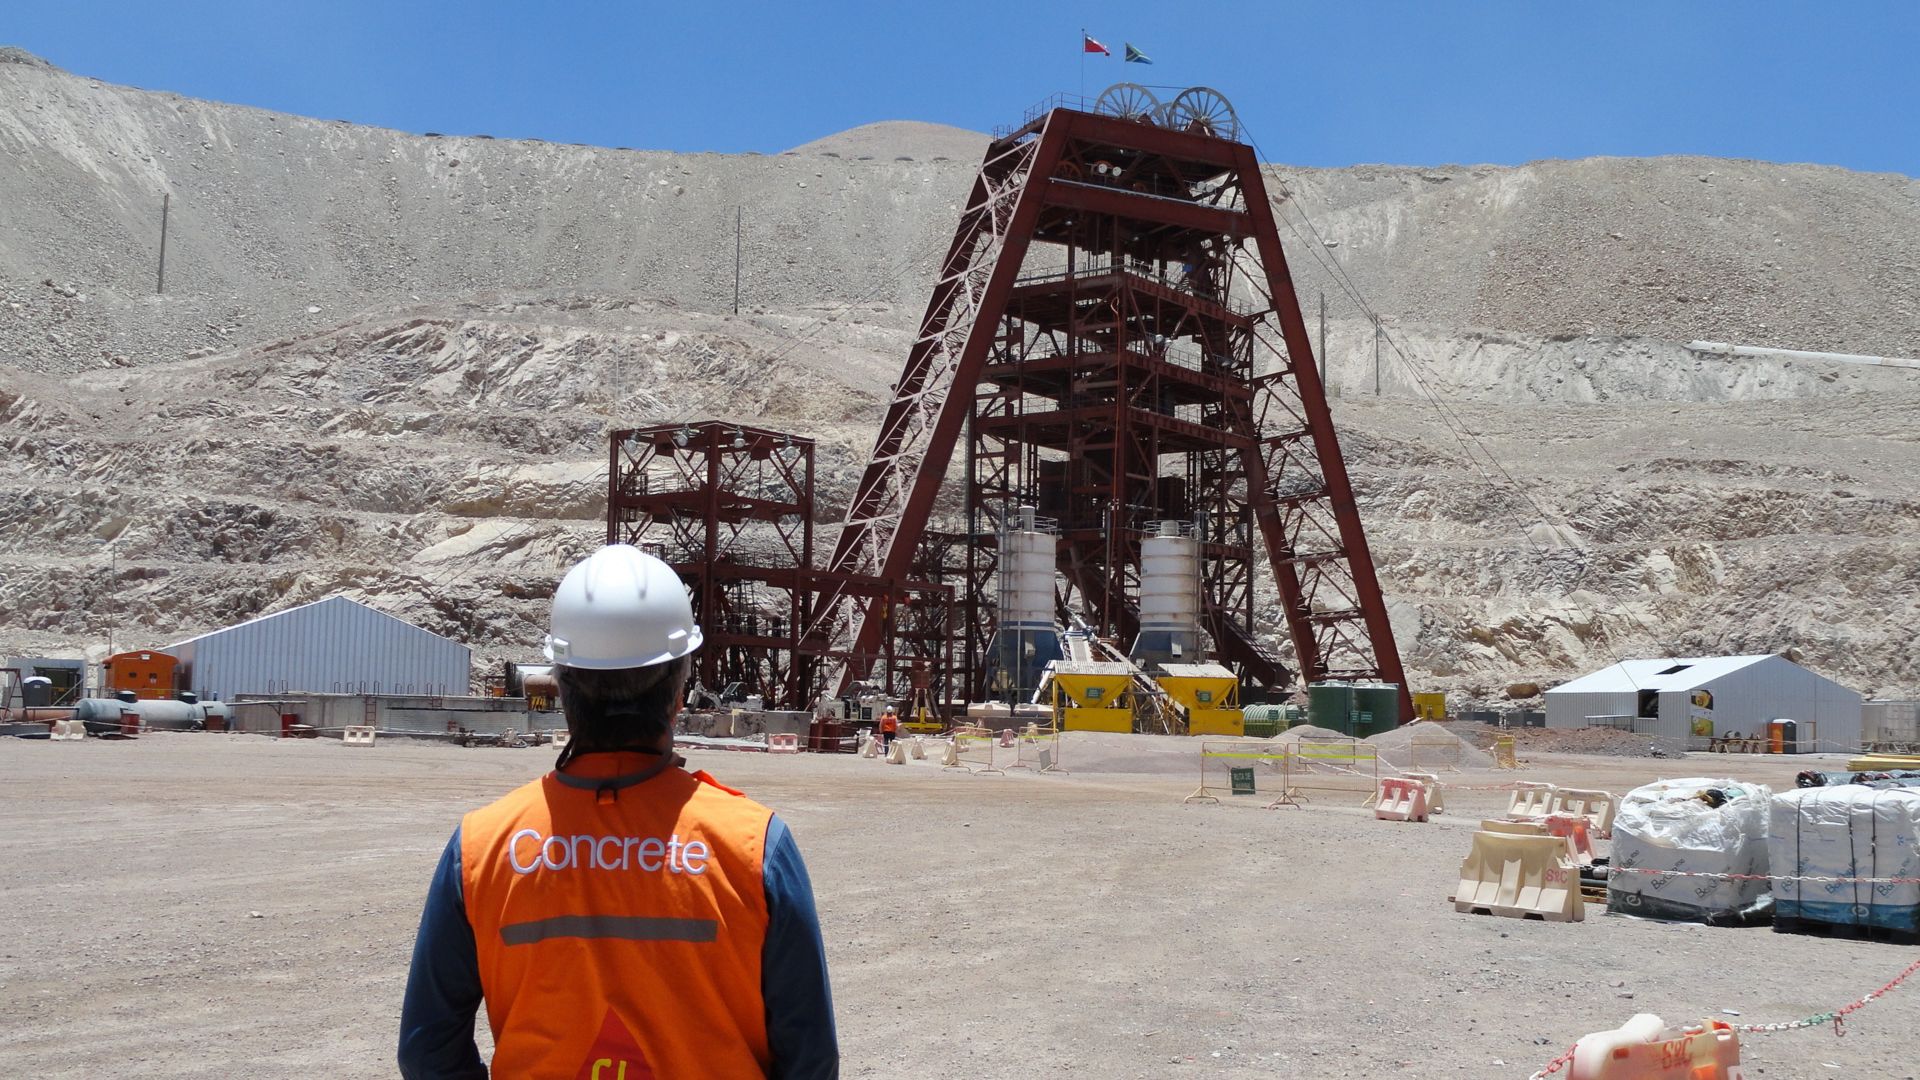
1376	708
1264	721
1331	705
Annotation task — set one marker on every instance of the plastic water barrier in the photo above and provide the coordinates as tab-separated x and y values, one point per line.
1597	807
1519	875
357	736
1401	799
1530	801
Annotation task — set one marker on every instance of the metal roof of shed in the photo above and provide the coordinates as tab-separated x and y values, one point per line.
1669	673
331	600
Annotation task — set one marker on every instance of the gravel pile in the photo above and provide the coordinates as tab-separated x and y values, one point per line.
1592	740
1427	746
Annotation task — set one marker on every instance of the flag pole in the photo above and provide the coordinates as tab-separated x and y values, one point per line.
1082	103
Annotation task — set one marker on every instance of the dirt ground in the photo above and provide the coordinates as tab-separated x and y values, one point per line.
212	906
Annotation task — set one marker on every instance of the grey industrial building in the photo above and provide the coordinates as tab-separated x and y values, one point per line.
1678	698
332	646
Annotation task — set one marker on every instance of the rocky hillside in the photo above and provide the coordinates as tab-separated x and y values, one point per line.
384	364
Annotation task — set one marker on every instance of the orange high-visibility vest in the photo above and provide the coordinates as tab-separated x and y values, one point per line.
619	933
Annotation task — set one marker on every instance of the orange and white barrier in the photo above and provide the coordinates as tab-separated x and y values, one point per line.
67	730
897	753
777	744
1007	737
561	738
1401	799
1436	798
1598	807
357	736
918	750
1520	875
1645	1048
1529	801
1574	830
870	745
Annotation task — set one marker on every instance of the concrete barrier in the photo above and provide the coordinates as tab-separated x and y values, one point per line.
357	736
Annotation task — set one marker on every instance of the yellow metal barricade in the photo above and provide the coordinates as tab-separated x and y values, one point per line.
971	749
1038	749
1350	766
1225	755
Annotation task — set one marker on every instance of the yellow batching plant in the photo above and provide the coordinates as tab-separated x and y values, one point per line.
1209	693
1090	695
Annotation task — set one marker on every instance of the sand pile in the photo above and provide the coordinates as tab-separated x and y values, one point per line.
1304	731
1428	746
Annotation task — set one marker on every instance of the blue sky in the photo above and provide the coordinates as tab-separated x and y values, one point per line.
1323	84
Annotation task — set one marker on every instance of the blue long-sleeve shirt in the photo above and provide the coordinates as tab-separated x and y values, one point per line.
443	984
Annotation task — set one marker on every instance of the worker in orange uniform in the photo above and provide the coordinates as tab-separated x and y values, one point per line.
622	918
889	727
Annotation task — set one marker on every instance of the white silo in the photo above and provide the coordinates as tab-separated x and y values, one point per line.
1026	637
1169	597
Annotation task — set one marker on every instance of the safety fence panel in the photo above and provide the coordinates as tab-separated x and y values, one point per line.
1333	767
1218	759
971	747
1037	749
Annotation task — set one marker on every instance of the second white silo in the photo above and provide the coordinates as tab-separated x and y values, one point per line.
1169	596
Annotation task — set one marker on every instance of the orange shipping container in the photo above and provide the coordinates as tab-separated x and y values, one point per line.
152	676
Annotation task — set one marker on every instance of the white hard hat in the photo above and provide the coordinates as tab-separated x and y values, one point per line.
620	608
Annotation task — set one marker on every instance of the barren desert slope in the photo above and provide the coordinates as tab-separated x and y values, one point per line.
384	364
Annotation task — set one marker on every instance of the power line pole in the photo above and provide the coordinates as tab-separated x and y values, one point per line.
1376	356
1323	340
165	201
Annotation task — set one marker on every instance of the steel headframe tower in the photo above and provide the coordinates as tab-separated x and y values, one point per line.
731	509
1114	339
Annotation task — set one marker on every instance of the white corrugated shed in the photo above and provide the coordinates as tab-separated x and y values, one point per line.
1748	692
336	645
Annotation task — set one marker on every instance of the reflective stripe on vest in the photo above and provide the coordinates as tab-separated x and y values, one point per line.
621	939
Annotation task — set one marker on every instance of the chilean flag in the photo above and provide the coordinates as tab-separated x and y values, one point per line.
1087	44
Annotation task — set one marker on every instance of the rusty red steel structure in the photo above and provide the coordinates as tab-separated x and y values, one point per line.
1114	338
731	508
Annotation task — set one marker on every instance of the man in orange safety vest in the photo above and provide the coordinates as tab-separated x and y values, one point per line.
621	918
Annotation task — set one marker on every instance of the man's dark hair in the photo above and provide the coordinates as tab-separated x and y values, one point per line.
623	709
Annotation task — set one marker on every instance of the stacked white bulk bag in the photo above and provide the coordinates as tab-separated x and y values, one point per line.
1673	825
1848	831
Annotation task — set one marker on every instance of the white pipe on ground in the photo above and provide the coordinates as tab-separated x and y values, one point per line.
1759	352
